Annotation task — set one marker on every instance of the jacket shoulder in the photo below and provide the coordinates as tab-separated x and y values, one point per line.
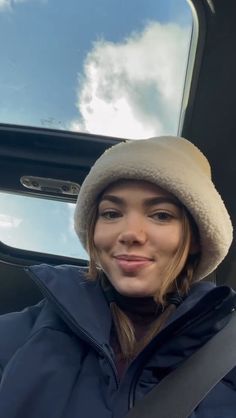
14	330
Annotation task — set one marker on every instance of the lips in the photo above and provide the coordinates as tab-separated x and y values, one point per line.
130	263
132	257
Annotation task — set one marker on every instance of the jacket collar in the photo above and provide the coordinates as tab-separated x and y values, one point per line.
82	304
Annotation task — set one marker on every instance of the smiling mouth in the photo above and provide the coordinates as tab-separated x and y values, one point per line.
130	257
132	263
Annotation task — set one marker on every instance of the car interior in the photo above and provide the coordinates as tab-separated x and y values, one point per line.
64	157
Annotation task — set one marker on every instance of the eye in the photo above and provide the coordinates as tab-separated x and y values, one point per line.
162	216
110	214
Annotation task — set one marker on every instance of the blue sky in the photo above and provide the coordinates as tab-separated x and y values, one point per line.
44	44
113	67
39	225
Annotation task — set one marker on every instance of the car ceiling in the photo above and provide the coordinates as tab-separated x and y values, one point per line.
208	121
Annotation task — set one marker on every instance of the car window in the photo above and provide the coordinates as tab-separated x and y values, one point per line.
106	67
42	225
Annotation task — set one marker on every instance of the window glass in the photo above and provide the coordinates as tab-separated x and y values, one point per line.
41	225
112	67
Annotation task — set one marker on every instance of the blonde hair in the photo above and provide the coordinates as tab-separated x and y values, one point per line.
178	278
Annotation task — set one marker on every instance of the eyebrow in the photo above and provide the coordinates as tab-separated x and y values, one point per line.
147	202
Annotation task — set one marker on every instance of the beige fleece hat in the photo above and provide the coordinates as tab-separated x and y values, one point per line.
177	166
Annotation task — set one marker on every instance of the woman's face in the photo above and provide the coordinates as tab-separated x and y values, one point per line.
137	233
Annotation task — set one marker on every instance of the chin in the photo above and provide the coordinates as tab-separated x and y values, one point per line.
133	292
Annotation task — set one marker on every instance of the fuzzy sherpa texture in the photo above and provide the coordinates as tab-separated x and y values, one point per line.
177	166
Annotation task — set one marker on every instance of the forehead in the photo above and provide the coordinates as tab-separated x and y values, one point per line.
126	186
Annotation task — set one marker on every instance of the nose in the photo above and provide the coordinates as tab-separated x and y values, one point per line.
133	232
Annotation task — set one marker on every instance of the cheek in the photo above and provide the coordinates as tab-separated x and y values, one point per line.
98	237
168	239
102	238
176	238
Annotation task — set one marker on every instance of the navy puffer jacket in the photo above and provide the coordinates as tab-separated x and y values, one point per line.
57	362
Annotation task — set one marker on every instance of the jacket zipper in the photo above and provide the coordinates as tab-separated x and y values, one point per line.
69	320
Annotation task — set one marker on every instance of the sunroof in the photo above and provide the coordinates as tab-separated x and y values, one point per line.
106	67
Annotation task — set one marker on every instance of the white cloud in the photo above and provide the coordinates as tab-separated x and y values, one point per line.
78	250
7	221
133	89
5	4
71	209
9	4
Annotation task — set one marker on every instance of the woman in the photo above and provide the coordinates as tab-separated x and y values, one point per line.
154	226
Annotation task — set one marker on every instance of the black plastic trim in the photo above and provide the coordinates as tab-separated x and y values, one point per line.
18	257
